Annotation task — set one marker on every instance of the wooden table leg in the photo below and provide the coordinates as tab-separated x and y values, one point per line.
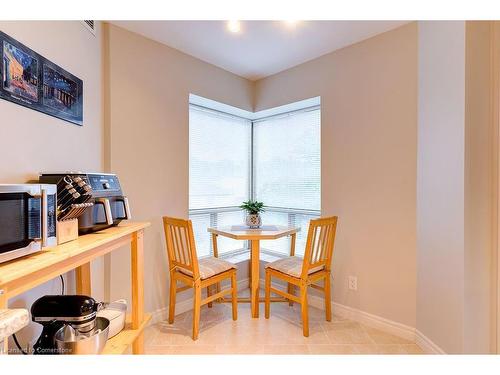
254	292
216	255
3	305
83	283
137	255
291	287
250	271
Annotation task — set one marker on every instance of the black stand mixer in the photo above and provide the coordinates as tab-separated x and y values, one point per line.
76	313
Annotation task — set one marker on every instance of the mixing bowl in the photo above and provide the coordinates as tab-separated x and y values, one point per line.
84	344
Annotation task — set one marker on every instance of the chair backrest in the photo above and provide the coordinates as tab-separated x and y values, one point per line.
319	245
181	248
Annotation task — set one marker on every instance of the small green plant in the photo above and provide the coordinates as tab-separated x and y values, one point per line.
253	207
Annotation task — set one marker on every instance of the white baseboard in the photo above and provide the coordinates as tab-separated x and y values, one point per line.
375	321
370	320
360	316
426	344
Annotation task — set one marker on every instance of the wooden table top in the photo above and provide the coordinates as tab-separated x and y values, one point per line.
266	232
24	266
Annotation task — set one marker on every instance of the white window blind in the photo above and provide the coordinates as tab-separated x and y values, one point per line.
286	174
287	160
219	159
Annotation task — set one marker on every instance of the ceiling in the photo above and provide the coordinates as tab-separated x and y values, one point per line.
261	48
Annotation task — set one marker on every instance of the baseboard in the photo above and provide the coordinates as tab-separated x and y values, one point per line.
360	316
426	344
375	321
386	325
397	329
370	320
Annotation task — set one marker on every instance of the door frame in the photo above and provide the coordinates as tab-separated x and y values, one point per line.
495	118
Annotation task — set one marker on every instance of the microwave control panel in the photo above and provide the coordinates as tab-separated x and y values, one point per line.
51	215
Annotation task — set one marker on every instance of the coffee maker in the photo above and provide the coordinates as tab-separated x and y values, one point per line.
77	312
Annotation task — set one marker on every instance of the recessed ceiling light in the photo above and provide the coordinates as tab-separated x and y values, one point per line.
291	23
234	26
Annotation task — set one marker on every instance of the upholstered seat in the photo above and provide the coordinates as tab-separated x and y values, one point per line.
291	266
209	267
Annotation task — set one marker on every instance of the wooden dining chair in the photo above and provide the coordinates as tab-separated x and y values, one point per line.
304	273
185	267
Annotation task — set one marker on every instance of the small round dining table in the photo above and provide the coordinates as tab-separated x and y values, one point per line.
244	233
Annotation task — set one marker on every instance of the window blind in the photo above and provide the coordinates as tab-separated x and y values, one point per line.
284	152
219	159
287	160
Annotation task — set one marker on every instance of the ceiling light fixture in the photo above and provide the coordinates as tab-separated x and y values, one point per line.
234	26
291	23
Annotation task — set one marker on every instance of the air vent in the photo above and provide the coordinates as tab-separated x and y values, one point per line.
90	25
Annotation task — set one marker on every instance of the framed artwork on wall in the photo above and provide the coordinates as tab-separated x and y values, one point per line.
30	80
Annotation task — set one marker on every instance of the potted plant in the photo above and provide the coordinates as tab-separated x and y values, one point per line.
253	209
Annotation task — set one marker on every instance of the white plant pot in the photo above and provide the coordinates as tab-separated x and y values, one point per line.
253	221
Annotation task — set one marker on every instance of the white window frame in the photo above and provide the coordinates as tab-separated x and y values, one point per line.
213	212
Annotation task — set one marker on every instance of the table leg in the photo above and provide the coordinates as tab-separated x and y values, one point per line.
291	287
254	292
216	255
83	284
250	272
137	255
3	305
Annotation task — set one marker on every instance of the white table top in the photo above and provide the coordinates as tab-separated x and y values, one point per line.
266	232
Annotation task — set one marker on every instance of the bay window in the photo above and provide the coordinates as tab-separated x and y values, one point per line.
274	159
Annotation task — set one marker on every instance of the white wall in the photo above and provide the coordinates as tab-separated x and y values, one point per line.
31	142
369	123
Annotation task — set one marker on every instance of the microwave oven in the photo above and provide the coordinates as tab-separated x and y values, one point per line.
27	219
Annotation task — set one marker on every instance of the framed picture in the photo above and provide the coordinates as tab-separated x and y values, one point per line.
30	80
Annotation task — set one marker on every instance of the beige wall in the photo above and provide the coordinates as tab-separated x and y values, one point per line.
148	85
480	207
456	177
375	95
369	125
31	142
440	186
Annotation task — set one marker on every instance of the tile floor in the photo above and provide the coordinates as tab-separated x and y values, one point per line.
281	334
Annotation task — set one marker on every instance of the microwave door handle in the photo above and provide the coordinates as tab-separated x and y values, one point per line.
126	207
45	222
107	209
38	239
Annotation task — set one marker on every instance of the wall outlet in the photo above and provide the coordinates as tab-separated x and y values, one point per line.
353	283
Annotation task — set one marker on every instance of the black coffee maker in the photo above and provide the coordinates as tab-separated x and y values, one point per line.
54	312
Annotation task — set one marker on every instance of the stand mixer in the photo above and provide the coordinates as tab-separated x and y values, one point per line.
69	324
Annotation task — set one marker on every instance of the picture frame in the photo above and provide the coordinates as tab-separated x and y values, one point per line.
31	80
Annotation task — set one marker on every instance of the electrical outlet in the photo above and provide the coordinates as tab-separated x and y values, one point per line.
353	283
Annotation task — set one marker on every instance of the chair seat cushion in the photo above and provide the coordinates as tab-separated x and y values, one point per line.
210	267
291	266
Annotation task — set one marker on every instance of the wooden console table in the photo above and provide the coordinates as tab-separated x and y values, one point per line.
25	273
